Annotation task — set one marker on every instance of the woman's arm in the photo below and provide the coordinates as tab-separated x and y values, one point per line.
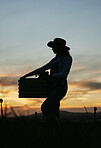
39	70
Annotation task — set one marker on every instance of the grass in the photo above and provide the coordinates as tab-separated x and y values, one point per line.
31	133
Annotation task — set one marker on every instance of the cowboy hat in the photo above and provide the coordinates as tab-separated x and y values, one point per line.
58	42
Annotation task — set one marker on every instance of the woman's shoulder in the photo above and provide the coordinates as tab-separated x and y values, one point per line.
68	58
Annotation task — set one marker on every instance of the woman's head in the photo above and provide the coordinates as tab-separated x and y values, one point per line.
59	46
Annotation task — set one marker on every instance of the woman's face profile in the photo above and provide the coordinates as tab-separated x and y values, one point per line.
56	49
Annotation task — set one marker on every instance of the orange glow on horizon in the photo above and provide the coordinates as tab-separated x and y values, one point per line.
79	94
76	97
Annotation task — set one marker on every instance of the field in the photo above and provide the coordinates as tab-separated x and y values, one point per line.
35	132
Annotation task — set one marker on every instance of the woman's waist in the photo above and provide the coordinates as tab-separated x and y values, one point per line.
55	81
57	84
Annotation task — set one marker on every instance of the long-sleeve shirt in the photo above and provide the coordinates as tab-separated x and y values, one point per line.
64	65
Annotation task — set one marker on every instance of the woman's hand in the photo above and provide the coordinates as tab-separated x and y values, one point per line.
29	74
35	72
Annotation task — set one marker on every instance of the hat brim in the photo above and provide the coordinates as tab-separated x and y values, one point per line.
52	44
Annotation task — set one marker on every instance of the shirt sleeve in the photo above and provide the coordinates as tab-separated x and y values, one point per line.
66	68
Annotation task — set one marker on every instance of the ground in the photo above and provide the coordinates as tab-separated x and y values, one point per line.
31	133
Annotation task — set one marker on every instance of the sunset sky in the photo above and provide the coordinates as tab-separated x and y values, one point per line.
25	28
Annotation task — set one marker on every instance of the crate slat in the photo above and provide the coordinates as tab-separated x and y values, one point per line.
32	88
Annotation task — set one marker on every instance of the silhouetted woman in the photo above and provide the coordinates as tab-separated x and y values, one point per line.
59	69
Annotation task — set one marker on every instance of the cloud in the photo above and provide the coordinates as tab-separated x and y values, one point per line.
91	85
86	67
8	81
80	88
7	85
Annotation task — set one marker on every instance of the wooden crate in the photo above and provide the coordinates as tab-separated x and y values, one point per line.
32	88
